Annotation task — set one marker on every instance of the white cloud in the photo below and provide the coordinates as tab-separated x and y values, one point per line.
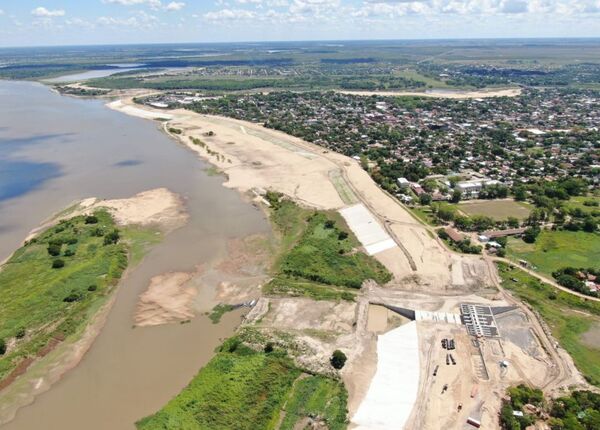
141	20
42	12
229	15
175	6
154	4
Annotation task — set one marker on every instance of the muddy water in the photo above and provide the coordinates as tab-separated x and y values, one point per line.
66	149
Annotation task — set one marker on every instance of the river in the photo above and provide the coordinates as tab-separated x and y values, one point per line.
55	150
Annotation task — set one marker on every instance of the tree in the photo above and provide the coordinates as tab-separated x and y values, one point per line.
513	222
531	234
269	347
2	347
446	213
338	359
520	193
456	196
425	199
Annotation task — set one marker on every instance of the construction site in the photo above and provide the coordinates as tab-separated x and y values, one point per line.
437	346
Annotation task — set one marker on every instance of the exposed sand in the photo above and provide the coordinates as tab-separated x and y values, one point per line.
168	299
256	158
158	207
449	94
427	275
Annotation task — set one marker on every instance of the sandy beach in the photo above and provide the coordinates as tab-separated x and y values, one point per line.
443	94
158	208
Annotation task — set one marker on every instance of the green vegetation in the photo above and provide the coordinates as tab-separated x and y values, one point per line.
498	210
574	321
318	251
578	411
49	287
316	396
338	359
218	311
554	250
465	246
241	388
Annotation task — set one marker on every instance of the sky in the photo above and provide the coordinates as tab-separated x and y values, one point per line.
84	22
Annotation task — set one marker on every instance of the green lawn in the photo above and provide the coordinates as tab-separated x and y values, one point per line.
554	250
568	317
41	304
499	210
244	389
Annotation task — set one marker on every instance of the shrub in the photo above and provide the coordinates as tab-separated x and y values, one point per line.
269	347
112	237
338	359
21	332
58	263
54	249
92	288
2	347
74	296
91	219
69	253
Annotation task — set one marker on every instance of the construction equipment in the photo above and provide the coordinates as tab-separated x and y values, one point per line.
444	388
452	359
435	370
447	359
459	407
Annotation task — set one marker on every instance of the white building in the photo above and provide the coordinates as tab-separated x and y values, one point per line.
471	189
403	182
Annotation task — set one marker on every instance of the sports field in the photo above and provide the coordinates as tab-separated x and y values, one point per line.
497	209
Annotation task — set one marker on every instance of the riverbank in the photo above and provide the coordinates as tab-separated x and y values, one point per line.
51	332
441	93
255	159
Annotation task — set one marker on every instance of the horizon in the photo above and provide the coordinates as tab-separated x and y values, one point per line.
33	23
299	41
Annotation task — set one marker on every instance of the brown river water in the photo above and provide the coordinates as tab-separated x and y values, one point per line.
55	150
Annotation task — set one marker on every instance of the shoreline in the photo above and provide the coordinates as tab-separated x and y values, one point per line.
56	360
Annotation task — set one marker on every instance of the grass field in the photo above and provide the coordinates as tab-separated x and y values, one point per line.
39	304
316	396
499	210
430	82
244	389
318	257
554	250
578	202
568	316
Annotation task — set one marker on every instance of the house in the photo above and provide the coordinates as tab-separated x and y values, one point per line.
417	188
403	183
453	234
